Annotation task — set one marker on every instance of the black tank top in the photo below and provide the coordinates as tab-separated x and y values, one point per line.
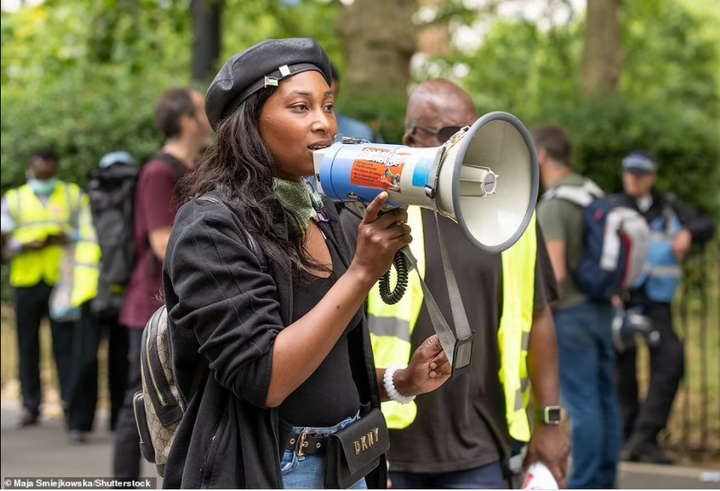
330	394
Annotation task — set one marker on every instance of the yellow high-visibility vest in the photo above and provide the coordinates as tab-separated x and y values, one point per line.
36	222
391	327
87	257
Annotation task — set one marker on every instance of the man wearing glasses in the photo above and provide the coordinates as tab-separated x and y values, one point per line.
462	436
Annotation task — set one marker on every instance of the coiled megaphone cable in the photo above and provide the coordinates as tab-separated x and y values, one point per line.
400	262
391	298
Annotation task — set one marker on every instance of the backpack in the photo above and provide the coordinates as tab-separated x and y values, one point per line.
616	239
111	191
160	406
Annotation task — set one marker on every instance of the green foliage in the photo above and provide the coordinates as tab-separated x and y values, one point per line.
86	92
683	142
90	91
262	19
82	119
671	55
668	99
248	22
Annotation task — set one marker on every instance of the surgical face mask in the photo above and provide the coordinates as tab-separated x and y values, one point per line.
43	188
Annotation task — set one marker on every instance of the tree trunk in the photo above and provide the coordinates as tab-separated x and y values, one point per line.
602	57
378	38
206	20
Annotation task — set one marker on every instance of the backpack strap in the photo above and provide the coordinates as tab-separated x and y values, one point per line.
580	195
173	163
669	215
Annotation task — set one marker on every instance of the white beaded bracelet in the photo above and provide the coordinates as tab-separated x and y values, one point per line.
390	386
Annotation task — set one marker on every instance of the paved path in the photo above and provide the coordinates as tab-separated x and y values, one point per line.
44	451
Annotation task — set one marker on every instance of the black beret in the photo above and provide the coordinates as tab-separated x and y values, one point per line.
262	65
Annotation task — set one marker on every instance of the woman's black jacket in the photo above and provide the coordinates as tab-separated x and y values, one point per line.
226	305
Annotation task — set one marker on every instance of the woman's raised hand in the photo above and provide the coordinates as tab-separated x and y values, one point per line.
379	238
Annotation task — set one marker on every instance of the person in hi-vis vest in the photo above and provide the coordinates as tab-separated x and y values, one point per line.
463	435
83	391
38	219
673	229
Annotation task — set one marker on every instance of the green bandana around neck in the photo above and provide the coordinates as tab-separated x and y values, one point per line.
299	197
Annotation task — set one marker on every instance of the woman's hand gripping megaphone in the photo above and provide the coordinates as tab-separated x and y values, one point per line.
380	236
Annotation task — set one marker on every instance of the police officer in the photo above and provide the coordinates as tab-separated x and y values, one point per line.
674	229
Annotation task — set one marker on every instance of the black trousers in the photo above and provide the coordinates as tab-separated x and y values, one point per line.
31	305
126	454
84	390
667	367
118	345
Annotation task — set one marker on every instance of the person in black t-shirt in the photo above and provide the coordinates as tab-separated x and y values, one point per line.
460	436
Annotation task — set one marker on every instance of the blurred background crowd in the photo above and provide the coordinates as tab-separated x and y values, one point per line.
82	79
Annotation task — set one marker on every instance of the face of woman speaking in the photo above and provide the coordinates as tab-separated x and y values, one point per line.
297	120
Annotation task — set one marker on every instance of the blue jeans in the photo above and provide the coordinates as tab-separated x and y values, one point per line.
587	390
308	471
486	477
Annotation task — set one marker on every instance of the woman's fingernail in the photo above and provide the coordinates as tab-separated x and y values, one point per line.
433	365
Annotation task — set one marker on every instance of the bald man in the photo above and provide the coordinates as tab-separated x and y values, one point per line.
460	436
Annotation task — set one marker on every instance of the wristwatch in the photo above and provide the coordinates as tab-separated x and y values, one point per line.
550	415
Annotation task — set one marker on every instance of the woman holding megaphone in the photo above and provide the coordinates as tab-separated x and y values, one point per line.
270	344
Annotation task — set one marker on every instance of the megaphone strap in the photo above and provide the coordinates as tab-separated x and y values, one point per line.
462	326
440	325
450	341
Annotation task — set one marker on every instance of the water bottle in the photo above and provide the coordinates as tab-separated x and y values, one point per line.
539	477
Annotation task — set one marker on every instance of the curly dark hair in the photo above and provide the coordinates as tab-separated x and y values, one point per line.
241	169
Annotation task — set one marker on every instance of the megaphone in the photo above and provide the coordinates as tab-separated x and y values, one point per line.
485	178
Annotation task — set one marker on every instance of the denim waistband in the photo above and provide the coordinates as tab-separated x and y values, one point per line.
330	430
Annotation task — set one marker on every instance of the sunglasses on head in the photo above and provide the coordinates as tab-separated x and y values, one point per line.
443	134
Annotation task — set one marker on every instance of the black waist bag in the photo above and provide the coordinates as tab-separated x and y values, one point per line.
355	451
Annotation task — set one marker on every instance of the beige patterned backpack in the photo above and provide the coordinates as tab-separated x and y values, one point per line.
160	406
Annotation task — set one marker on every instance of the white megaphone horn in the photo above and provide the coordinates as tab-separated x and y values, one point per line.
485	178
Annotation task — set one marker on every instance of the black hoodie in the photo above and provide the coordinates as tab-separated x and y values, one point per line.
225	312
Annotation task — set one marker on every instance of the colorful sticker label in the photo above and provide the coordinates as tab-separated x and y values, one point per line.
378	168
421	173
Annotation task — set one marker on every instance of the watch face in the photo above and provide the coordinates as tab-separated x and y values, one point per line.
553	414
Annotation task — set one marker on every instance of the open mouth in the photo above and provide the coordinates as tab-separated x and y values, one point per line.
318	146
